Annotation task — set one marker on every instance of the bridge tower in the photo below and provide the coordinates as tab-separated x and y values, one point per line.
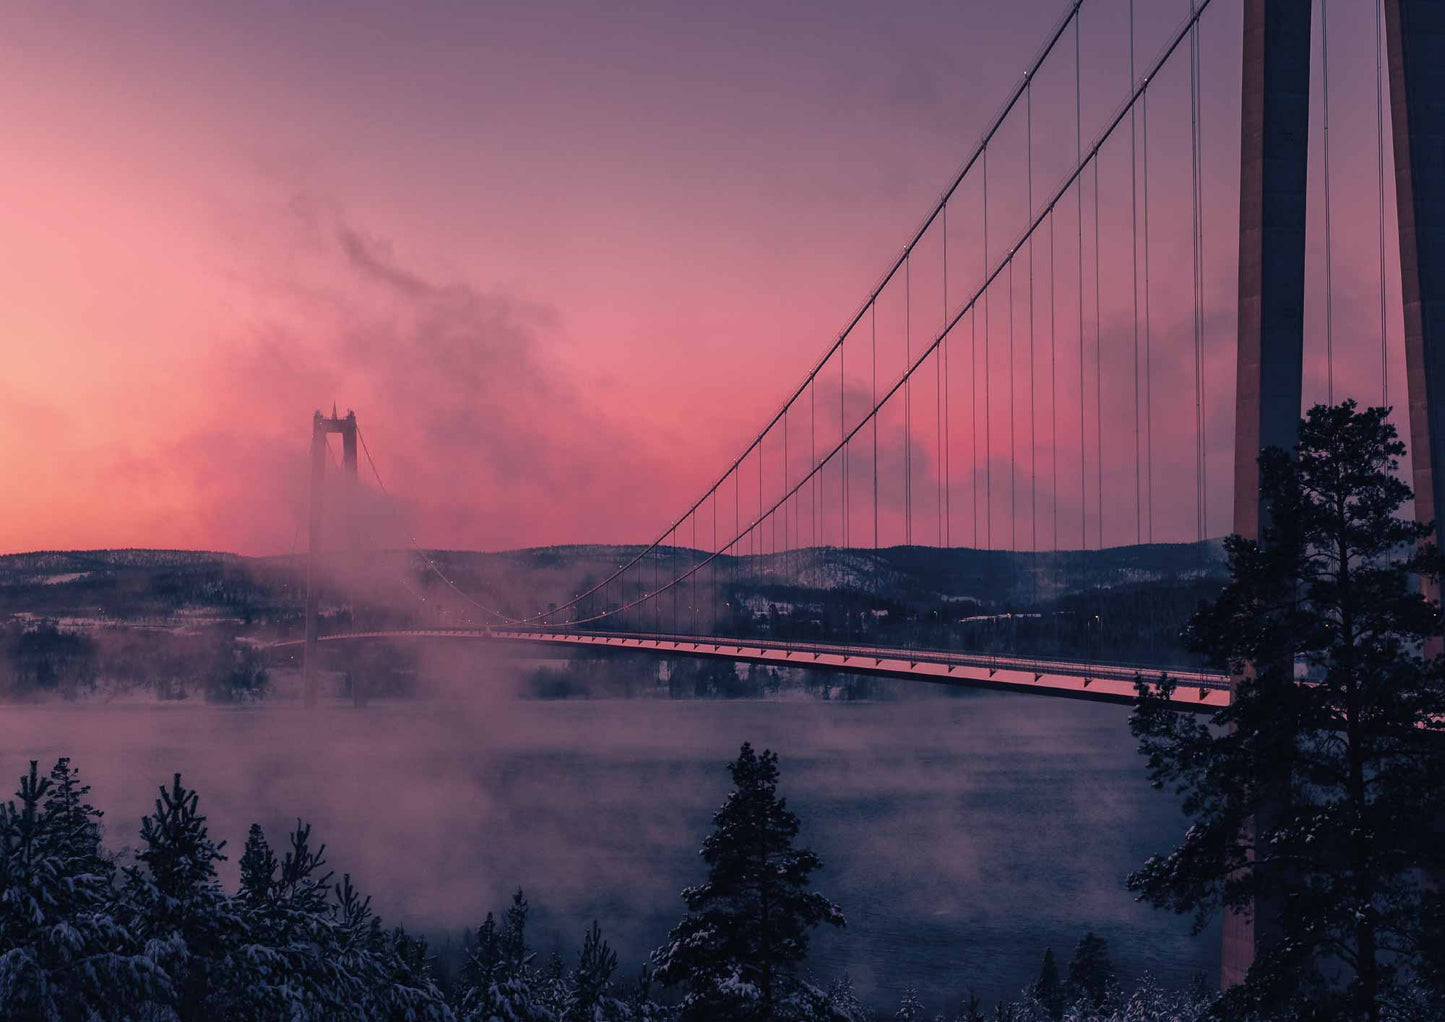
321	427
1273	175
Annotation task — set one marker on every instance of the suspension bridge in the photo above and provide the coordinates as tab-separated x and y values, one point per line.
1055	368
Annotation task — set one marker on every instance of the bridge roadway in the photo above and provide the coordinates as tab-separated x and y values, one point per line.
1105	682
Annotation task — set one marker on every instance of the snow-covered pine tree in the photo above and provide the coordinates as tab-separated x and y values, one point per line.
72	827
301	885
63	952
498	983
483	965
910	1009
640	1005
554	985
289	961
379	974
737	950
179	854
591	997
514	931
1048	989
258	868
1091	973
412	993
843	1003
972	1009
176	904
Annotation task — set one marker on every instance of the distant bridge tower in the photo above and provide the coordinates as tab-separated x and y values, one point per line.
321	427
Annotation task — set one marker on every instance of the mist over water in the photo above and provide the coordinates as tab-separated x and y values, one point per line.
961	835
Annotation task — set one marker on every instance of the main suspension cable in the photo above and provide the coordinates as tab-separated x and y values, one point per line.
1072	180
430	563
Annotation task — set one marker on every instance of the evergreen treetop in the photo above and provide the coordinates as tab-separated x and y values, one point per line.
1314	797
738	949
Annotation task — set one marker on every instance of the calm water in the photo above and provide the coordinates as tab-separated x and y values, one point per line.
961	835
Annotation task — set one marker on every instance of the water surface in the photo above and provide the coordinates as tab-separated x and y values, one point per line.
961	835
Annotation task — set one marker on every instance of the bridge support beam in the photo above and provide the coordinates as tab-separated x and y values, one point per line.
1274	160
1415	46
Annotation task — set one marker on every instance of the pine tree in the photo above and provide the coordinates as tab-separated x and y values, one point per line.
972	1009
73	826
289	961
178	849
300	883
1048	990
909	1008
640	1005
514	931
63	952
410	989
843	1003
483	965
591	999
1091	974
258	868
554	985
498	982
177	904
738	948
1315	796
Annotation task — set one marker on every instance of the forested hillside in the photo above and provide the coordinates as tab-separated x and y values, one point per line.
191	622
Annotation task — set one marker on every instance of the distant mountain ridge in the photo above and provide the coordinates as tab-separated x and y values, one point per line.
119	582
909	573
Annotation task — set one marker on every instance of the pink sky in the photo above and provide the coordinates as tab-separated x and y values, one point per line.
562	259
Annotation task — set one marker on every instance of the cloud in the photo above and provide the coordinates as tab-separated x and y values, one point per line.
481	434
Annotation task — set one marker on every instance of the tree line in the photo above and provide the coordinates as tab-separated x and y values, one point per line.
85	935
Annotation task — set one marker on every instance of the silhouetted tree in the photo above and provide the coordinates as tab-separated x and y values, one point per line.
1316	793
177	903
640	1004
497	980
591	999
1091	973
843	1003
1048	989
971	1010
910	1009
63	952
738	948
258	867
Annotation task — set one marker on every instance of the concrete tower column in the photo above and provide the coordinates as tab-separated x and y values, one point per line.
313	553
1415	49
1274	158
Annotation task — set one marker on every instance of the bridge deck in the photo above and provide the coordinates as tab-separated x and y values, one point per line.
1197	690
